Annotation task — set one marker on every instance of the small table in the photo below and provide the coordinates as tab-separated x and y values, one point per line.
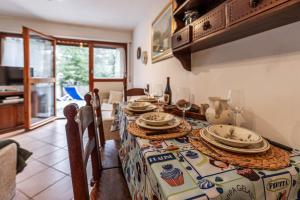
154	170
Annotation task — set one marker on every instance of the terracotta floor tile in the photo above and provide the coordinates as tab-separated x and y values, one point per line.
23	140
39	182
63	166
46	149
56	140
31	169
20	196
54	157
41	133
62	190
33	145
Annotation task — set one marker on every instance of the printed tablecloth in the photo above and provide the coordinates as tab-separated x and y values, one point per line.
174	170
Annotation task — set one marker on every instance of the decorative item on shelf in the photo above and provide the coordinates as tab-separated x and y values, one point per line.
219	111
162	29
144	57
138	53
190	16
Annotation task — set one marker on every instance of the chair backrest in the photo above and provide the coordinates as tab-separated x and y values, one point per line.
80	121
98	114
134	92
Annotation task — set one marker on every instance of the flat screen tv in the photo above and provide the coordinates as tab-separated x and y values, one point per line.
11	75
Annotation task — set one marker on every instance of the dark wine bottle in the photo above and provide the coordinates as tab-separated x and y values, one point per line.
168	92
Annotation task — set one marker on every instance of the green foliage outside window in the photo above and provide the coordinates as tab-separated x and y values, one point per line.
72	65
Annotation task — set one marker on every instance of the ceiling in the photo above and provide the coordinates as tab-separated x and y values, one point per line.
115	14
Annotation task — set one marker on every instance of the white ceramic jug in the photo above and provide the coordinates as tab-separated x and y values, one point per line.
219	111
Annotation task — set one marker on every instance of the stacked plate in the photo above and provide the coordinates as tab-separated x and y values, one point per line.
140	107
146	99
234	139
158	121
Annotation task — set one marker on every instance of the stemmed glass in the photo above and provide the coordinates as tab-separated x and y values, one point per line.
157	92
235	101
184	100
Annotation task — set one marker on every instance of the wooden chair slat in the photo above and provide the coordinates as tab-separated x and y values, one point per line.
134	92
89	147
85	117
98	113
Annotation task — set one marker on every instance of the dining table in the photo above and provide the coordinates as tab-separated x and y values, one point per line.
155	170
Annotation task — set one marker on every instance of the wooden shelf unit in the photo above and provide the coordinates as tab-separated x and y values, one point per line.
11	114
226	21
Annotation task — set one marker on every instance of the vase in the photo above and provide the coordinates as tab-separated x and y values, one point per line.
219	111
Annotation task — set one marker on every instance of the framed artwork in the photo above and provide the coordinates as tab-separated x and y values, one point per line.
162	29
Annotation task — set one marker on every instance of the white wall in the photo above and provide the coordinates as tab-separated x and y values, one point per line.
14	24
262	70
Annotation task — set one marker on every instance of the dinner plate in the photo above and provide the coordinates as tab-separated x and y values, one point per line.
257	148
146	99
157	118
138	105
234	136
147	109
172	124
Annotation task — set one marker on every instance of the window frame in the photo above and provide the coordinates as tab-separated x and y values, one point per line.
86	43
111	46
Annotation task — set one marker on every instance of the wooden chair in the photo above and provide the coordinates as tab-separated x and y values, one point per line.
134	92
106	183
98	113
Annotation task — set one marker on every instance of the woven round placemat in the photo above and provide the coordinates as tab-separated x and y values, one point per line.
273	159
182	130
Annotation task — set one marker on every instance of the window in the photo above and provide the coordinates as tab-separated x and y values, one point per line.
12	52
109	63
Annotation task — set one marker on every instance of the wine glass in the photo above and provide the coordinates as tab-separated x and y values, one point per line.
236	102
184	100
157	92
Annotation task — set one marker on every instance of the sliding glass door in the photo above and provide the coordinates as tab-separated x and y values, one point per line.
39	78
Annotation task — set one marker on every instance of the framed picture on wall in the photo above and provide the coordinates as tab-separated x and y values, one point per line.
162	29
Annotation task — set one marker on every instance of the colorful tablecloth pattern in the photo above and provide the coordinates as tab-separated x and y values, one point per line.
174	170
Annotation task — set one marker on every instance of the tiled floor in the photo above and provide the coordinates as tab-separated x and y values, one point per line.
47	175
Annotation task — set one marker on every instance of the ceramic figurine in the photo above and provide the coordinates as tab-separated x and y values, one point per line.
219	111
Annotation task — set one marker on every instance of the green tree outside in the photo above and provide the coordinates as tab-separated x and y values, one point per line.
73	65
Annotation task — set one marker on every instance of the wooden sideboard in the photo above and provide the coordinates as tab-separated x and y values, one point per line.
222	21
11	114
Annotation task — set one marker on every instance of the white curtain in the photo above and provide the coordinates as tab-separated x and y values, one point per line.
41	58
12	52
122	60
109	62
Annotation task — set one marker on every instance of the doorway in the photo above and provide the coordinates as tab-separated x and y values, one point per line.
72	76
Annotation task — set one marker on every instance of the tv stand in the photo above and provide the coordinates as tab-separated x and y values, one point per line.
11	114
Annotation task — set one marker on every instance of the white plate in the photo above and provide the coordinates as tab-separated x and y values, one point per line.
157	118
147	109
139	105
172	124
257	148
146	99
234	136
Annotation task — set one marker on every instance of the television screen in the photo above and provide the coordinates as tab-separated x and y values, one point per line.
11	75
